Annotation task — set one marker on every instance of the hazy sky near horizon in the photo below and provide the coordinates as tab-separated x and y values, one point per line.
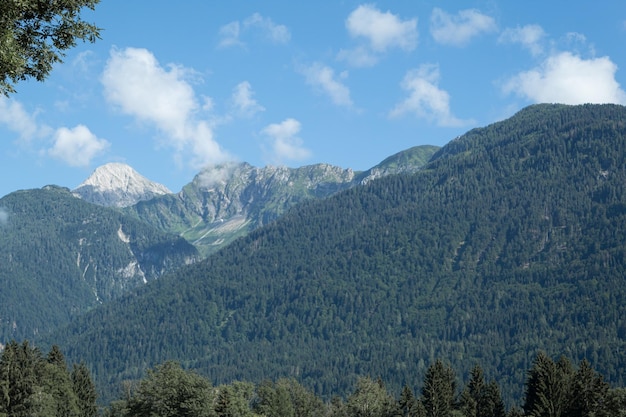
174	87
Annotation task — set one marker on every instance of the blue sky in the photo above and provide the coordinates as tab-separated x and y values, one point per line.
171	88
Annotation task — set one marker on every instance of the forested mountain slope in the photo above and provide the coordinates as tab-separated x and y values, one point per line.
60	256
509	241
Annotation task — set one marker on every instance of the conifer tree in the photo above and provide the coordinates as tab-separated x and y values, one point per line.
472	396
493	406
547	387
588	392
438	390
85	390
408	404
479	399
59	398
19	367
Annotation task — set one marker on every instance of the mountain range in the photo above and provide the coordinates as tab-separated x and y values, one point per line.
505	242
227	201
61	256
508	241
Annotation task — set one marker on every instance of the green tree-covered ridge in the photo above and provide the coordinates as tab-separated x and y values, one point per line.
508	242
61	256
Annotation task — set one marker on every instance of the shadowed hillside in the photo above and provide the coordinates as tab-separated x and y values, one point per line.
61	256
508	242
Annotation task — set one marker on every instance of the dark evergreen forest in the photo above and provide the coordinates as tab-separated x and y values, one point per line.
509	242
61	256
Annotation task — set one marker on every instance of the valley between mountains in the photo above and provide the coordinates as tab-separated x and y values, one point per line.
506	242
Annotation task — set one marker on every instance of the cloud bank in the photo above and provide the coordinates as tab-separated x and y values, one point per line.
569	79
139	86
75	147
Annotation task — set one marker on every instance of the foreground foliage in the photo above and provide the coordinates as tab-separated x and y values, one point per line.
31	384
34	35
553	389
34	385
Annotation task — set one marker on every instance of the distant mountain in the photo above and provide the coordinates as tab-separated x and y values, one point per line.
118	185
61	256
227	201
509	241
99	254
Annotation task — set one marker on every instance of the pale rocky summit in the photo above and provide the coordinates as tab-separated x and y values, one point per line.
118	185
227	201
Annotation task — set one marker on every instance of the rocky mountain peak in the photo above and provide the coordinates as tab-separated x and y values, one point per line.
119	185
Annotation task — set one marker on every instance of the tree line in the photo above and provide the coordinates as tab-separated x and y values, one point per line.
553	389
34	384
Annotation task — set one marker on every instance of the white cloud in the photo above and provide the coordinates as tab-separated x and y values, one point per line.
76	147
286	145
577	43
569	79
426	99
135	81
360	57
243	101
14	117
275	33
323	78
529	36
231	33
576	38
460	29
142	88
381	31
216	175
84	62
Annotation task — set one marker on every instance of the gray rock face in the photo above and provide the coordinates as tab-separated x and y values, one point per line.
227	201
118	185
